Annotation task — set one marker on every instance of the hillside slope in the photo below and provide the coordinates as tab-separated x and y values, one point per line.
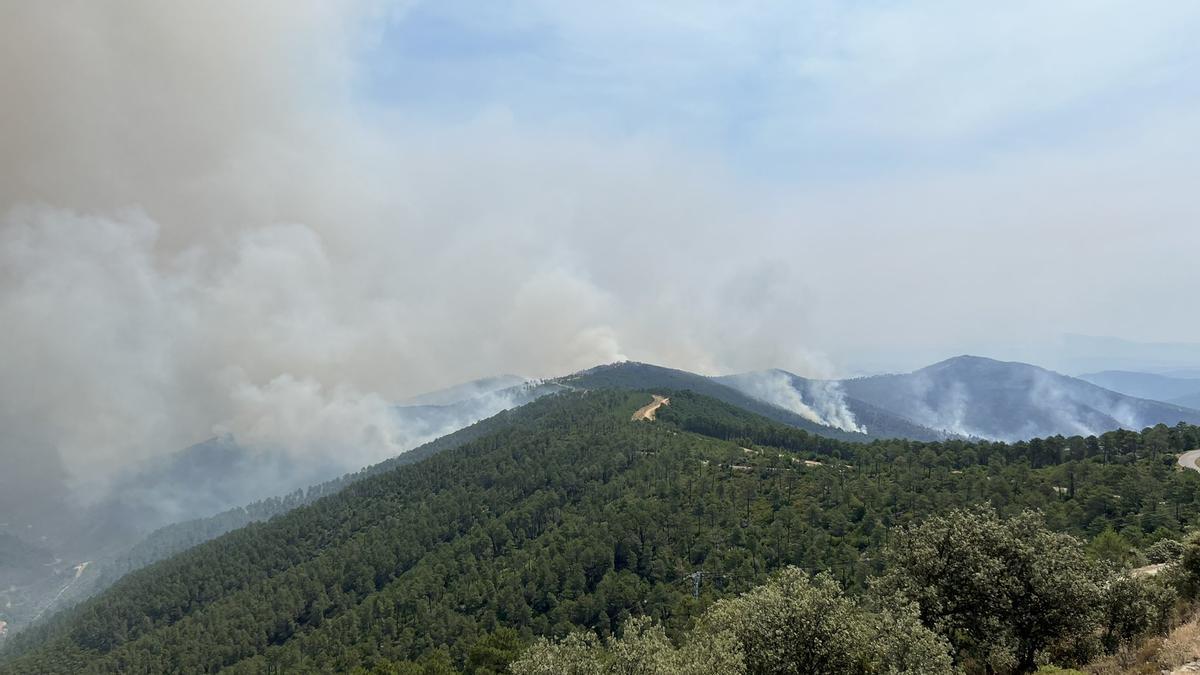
570	514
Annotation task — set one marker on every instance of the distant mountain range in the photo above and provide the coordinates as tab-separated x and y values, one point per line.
966	396
974	396
1091	353
1180	388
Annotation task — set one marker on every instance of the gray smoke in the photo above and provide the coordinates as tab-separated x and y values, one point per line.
819	401
941	406
205	229
202	234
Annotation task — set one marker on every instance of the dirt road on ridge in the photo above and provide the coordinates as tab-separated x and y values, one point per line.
1188	460
648	411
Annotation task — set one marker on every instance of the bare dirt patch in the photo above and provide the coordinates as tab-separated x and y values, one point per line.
648	411
1188	460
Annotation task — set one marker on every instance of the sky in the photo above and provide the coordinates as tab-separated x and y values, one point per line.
237	217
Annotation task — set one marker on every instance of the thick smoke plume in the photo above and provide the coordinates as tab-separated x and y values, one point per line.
203	232
819	401
207	226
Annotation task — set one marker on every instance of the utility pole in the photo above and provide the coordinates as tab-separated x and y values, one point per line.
696	578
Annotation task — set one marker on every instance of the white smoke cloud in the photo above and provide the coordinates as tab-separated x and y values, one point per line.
300	417
1049	395
829	400
941	406
819	401
202	234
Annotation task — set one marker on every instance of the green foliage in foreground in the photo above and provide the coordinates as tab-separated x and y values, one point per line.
1001	590
1007	592
571	517
792	625
964	591
643	648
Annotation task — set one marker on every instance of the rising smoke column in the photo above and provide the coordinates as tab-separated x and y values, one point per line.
819	401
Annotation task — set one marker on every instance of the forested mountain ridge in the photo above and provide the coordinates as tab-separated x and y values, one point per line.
776	394
965	396
879	423
221	469
571	515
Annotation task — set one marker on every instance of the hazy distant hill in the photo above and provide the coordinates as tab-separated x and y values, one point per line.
18	557
481	399
1167	388
976	396
1183	373
29	573
1091	353
467	390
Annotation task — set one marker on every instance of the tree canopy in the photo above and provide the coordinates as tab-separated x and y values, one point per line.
569	517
